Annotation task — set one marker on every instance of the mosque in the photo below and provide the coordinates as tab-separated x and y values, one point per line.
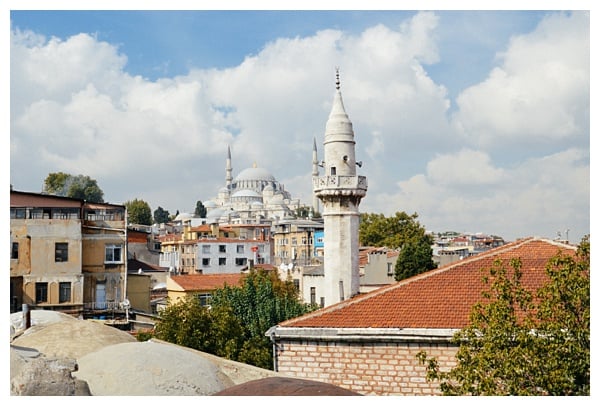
253	197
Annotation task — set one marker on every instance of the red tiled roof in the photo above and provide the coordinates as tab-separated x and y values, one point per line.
206	282
440	298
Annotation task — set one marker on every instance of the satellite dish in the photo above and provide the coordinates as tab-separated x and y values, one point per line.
126	304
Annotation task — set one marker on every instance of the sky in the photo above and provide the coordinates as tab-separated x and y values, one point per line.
478	121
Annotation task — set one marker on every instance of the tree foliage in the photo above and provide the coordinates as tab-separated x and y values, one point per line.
401	231
77	187
200	210
138	212
262	301
161	215
415	257
377	230
234	327
190	324
525	343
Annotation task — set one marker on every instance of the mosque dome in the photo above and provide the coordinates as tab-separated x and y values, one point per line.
260	174
210	204
184	216
216	213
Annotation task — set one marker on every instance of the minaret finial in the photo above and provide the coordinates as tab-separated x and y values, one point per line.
337	78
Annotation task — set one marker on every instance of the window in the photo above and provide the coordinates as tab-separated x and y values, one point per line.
390	269
294	241
313	295
333	171
204	298
41	292
113	254
206	249
241	261
14	252
222	248
205	261
240	249
222	261
61	252
64	292
297	284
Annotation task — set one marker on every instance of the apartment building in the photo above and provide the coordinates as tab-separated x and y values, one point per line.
216	249
67	255
293	241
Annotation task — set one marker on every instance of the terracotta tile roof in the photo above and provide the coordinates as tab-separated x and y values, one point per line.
441	298
206	282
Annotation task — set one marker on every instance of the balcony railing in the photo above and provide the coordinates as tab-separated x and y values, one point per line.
341	181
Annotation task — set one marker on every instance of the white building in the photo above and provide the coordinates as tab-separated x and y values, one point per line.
253	196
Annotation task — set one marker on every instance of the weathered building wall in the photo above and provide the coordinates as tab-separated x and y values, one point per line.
366	368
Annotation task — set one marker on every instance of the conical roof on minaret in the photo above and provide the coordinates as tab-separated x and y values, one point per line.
339	126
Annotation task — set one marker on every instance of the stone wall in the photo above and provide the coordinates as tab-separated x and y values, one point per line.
366	368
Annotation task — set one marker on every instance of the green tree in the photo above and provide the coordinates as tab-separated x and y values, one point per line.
403	232
161	215
377	230
77	187
415	257
520	342
138	212
262	301
200	210
303	212
190	324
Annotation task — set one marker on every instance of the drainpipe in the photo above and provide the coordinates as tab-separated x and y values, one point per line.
26	316
271	334
126	301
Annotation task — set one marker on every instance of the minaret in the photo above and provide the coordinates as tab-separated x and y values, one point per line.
315	173
228	177
341	191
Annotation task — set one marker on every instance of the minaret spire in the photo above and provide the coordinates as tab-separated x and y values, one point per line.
228	170
315	173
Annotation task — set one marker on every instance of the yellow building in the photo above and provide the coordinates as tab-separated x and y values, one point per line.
46	252
202	286
66	254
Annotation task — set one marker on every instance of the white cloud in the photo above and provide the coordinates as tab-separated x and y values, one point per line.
547	194
512	160
540	92
468	167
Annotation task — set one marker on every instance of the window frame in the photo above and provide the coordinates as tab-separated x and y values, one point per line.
64	287
41	292
61	252
113	248
14	251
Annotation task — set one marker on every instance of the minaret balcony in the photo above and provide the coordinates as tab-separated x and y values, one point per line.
340	184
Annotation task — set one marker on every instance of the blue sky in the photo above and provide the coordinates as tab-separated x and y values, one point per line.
170	43
479	121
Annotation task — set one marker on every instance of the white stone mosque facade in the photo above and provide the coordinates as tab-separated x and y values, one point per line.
254	196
